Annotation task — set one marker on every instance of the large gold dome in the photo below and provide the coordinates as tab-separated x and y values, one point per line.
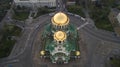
60	36
60	19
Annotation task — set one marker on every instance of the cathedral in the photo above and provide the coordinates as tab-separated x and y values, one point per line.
60	40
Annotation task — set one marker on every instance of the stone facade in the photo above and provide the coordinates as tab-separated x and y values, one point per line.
35	3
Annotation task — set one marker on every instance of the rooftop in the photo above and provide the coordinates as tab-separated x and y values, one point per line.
60	19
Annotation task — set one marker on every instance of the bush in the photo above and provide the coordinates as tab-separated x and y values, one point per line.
21	13
115	62
43	10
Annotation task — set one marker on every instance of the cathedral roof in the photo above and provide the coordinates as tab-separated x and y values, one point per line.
60	36
60	19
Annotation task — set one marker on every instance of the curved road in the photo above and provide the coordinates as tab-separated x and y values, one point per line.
103	35
25	56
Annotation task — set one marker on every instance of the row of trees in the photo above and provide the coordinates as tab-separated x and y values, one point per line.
99	13
4	6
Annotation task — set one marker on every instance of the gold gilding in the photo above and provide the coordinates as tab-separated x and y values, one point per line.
60	19
42	52
60	36
77	53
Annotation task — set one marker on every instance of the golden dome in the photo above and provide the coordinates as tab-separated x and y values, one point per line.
60	36
60	19
42	52
77	53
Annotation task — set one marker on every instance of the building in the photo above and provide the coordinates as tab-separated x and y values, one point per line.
118	18
114	18
35	3
60	40
71	2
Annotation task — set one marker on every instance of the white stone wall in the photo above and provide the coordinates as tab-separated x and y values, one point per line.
36	3
118	18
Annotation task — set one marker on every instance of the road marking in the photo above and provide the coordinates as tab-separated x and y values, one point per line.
77	15
83	18
12	61
81	26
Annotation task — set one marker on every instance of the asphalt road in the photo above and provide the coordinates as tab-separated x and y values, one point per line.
24	57
101	34
96	37
24	54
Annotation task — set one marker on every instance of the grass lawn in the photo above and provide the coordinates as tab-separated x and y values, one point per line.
6	47
115	62
76	10
43	10
7	42
21	15
104	24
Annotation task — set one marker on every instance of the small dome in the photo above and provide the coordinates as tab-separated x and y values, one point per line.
42	52
77	53
60	19
60	36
